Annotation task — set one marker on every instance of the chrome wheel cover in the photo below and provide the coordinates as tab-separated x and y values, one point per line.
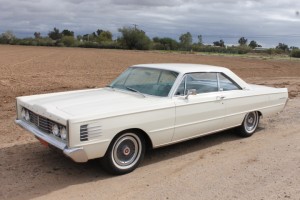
126	151
251	121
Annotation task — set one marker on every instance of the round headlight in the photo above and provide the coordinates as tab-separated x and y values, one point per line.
55	130
23	113
27	117
63	133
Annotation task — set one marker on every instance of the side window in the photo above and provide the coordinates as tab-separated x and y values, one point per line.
201	82
227	84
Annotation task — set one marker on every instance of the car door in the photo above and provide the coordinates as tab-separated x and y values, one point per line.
201	113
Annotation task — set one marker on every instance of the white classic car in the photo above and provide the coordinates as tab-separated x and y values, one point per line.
147	106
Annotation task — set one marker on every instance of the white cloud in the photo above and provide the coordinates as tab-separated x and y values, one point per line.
222	19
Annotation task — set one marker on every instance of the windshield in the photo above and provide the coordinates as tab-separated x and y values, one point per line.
149	81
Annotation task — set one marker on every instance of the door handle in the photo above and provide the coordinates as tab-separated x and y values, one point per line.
220	97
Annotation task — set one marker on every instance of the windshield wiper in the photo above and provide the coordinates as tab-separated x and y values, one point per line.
109	86
134	90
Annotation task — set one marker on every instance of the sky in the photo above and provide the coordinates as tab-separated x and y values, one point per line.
266	21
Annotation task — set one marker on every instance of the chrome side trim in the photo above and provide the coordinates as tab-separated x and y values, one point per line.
195	136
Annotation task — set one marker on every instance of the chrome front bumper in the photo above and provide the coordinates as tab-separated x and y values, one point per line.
76	154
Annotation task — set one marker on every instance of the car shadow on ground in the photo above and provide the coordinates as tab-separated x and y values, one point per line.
31	167
190	146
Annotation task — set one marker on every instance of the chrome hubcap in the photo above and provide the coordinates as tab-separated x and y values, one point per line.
126	151
251	121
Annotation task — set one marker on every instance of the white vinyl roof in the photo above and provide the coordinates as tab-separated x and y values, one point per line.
190	68
185	68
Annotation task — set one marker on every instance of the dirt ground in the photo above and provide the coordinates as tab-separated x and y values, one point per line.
219	166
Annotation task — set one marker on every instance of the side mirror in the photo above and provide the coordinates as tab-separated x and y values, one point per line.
191	92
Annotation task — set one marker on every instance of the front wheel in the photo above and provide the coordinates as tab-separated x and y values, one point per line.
249	124
124	153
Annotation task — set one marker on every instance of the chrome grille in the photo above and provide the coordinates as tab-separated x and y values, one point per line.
41	122
89	132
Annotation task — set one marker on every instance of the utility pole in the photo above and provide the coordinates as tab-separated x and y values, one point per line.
200	39
135	25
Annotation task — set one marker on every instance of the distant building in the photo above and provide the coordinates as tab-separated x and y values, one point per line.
260	49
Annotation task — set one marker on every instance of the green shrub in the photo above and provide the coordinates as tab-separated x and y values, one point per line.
272	51
7	37
45	42
295	53
164	44
109	45
243	49
229	50
68	41
133	38
60	44
158	46
87	44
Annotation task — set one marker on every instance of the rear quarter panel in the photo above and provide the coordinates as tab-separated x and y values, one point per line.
266	100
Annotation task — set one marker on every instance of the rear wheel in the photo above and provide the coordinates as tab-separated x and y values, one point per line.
124	153
249	124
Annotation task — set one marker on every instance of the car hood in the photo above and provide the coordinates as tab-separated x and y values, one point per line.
81	104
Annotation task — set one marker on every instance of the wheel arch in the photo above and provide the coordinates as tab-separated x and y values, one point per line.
111	165
260	114
249	124
148	141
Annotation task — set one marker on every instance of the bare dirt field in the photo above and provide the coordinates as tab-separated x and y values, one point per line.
219	166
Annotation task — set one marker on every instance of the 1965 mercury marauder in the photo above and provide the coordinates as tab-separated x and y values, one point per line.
147	106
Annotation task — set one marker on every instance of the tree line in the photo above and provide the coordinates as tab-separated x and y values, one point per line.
134	38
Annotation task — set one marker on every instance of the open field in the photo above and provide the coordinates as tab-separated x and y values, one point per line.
219	166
